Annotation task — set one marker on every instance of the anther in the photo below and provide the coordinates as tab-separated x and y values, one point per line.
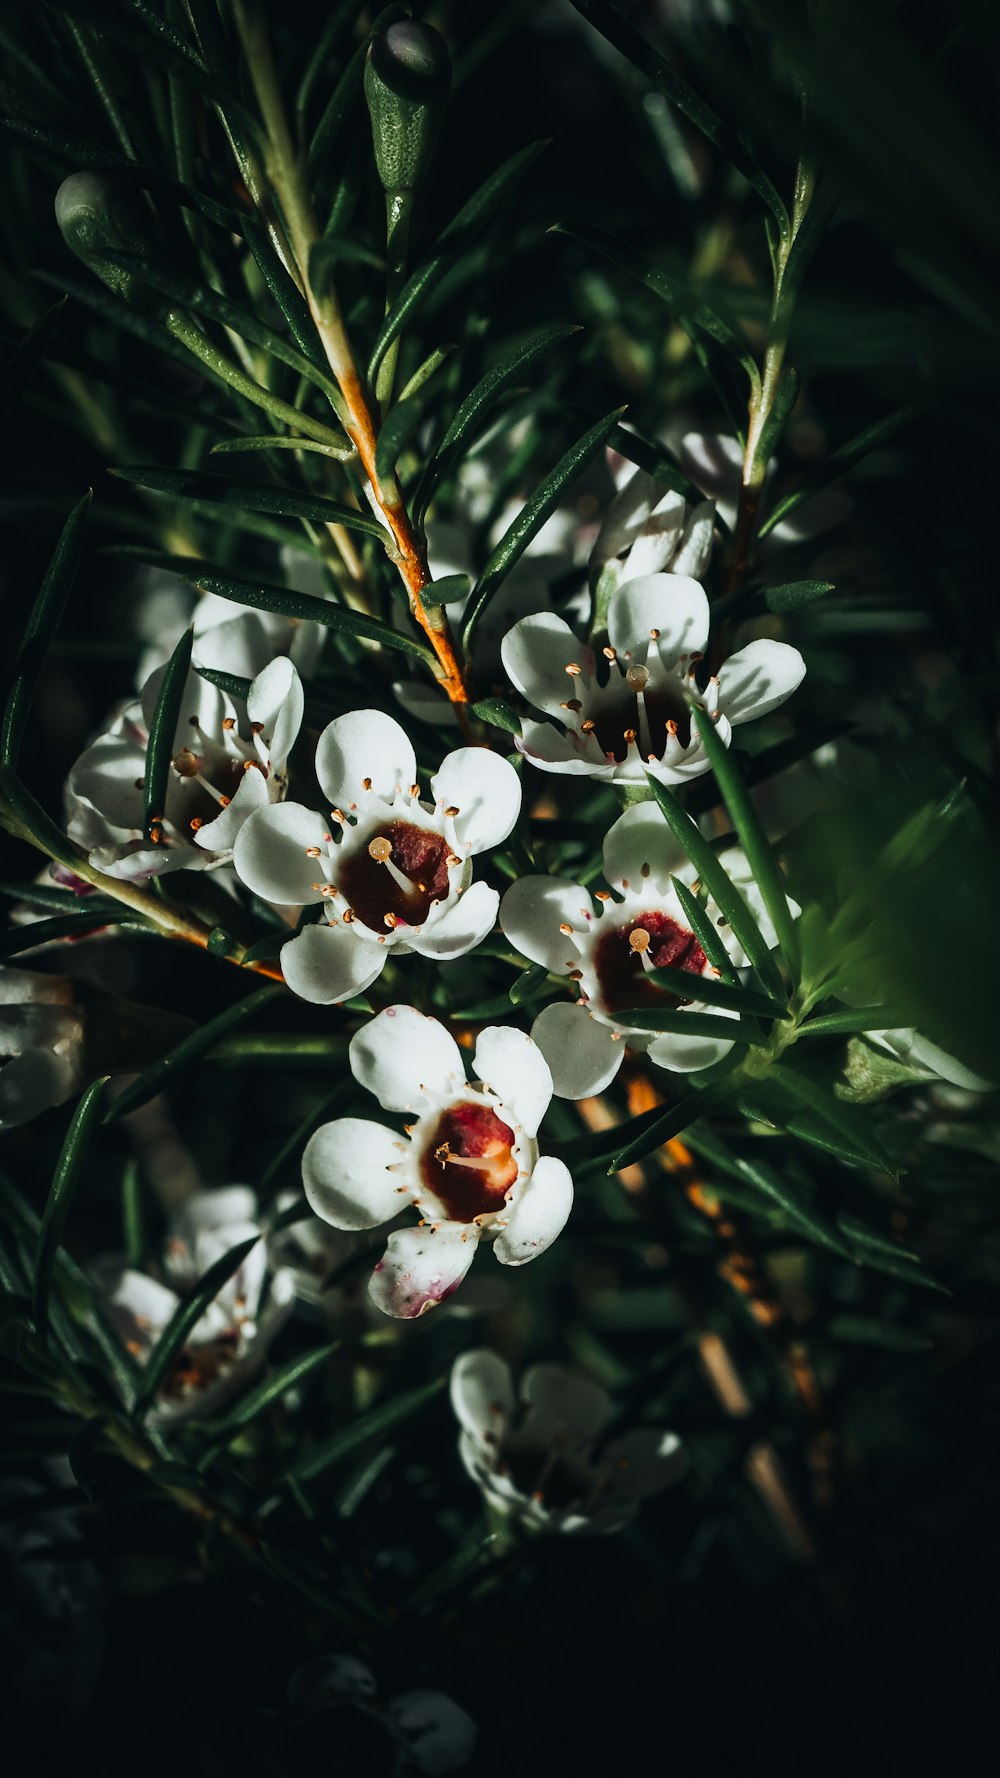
610	654
313	852
195	822
415	790
391	920
366	783
574	669
638	678
451	811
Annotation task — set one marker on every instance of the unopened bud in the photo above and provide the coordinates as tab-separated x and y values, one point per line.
97	215
407	78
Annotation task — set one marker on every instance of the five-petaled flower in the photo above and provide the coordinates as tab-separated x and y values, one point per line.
392	871
230	1341
468	1163
216	778
628	712
548	1466
609	954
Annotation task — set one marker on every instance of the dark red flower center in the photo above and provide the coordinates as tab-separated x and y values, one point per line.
619	965
618	719
374	891
467	1162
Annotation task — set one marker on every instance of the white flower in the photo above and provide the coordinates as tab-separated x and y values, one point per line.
391	870
468	1164
215	781
230	1341
228	638
635	714
41	1044
609	953
423	1731
715	464
541	1466
650	530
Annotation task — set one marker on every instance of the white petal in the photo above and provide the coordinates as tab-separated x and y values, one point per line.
513	1067
239	645
685	1054
271	853
535	655
30	1083
539	1215
460	927
642	1462
759	678
482	1394
656	543
215	1210
640	838
363	744
551	750
486	791
532	911
140	1307
439	1735
250	795
670	603
276	700
328	1680
346	1177
203	708
582	1055
108	774
908	1045
134	862
420	1268
695	549
568	1410
326	964
626	515
406	1059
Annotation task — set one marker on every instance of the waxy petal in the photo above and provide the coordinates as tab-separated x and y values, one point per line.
670	603
532	911
220	835
567	1411
327	964
640	845
536	654
272	853
513	1067
406	1059
460	927
363	744
642	1462
582	1054
486	791
539	1215
759	678
482	1395
420	1268
276	701
346	1173
682	1054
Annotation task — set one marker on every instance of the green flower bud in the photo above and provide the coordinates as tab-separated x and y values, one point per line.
97	215
407	77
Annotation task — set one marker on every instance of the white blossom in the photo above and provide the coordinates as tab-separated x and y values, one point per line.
542	1461
468	1163
217	777
391	870
41	1044
608	950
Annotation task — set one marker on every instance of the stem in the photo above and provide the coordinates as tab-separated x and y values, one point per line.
286	173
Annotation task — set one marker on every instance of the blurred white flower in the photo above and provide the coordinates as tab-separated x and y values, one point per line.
468	1164
228	638
609	953
41	1044
545	1465
217	777
391	871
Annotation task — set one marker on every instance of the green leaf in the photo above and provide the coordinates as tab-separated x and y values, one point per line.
248	496
42	932
346	93
57	901
679	92
883	1255
162	730
795	593
286	1377
752	837
532	517
185	1317
772	1187
687	1024
398	428
846	1131
528	985
863	1018
273	441
838	461
724	893
60	1197
688	308
705	932
469	418
460	232
27	355
448	590
265	597
499	714
173	1066
41	627
658	1127
425	371
705	988
863	1330
375	1424
656	461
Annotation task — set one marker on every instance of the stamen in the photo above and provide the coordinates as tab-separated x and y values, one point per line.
380	849
610	654
366	783
574	669
639	942
445	1157
451	811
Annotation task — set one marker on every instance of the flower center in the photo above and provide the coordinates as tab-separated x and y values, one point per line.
397	877
624	957
467	1162
629	712
198	1366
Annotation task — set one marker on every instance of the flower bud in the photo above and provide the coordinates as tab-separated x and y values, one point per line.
97	215
407	77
